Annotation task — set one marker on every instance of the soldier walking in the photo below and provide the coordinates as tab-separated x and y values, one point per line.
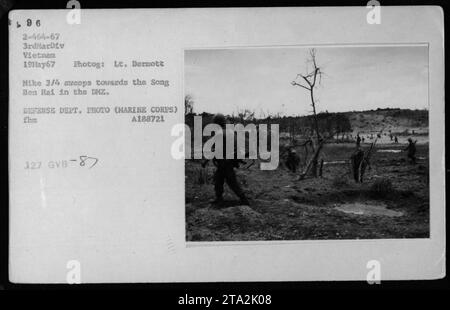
411	148
225	168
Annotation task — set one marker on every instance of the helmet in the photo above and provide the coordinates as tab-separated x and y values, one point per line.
219	119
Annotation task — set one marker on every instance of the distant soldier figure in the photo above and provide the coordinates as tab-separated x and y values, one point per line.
225	169
411	148
396	139
358	141
362	139
359	164
293	160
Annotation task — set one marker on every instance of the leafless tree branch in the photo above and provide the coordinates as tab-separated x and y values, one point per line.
311	79
297	84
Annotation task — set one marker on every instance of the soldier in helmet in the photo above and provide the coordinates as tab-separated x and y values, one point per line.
358	141
225	168
292	160
411	148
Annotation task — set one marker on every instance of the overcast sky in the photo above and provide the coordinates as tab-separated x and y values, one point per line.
259	79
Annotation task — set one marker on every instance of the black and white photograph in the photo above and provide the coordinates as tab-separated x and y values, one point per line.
353	143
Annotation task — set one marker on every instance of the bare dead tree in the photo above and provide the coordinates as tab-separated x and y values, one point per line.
309	81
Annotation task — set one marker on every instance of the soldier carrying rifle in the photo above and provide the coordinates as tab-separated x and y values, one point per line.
225	168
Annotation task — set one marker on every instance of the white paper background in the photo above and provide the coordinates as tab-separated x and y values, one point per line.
121	218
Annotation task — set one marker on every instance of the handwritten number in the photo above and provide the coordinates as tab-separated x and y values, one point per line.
85	158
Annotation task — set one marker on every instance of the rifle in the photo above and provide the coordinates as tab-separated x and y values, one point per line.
236	161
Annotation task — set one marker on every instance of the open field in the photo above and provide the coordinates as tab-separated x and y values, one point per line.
329	207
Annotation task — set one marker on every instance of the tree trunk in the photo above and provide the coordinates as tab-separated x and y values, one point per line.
321	168
312	161
316	123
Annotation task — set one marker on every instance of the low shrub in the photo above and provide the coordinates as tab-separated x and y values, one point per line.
382	188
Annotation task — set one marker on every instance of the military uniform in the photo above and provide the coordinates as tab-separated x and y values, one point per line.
225	168
411	148
292	161
358	141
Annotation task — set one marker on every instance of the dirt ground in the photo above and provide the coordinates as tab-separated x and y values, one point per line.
284	208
